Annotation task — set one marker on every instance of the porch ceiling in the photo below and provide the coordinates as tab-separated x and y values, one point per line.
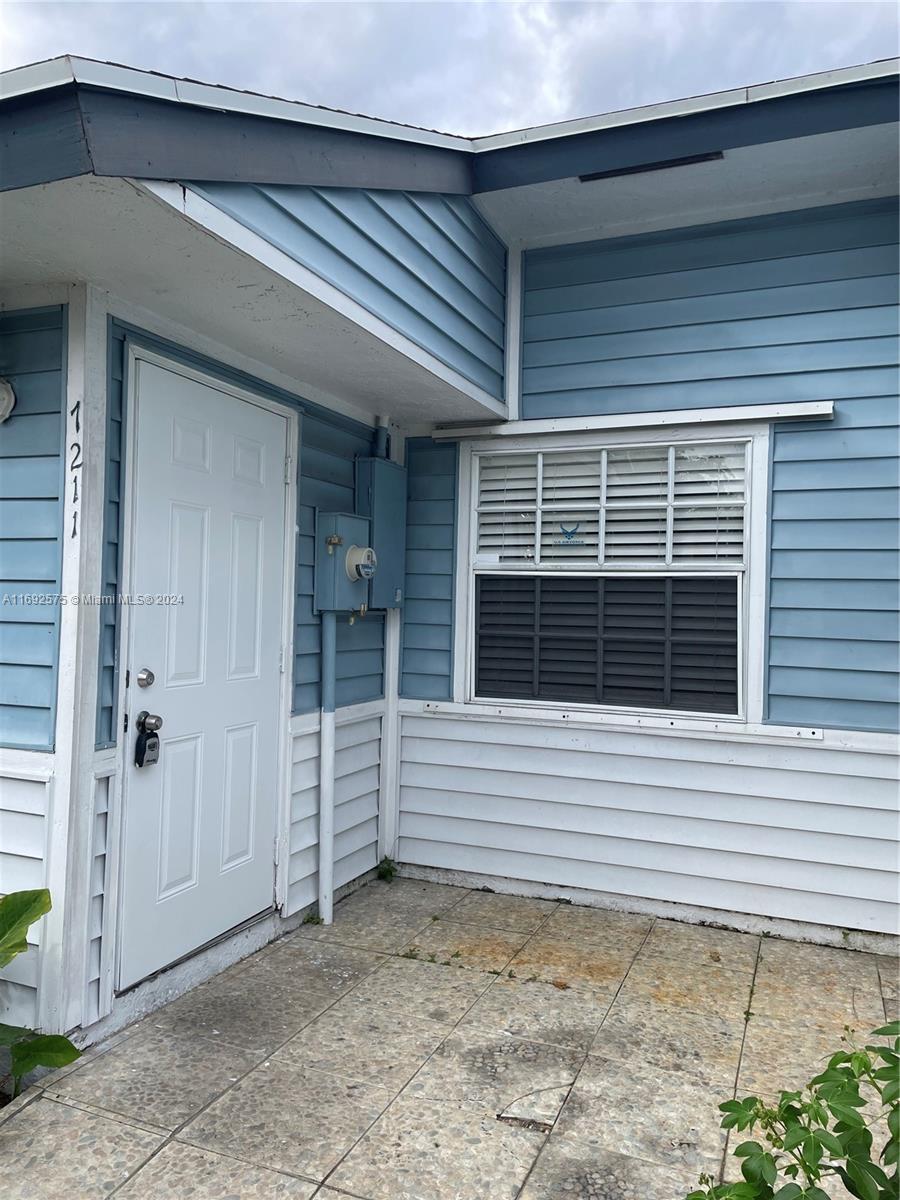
112	234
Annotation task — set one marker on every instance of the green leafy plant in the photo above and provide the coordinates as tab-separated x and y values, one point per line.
387	869
27	1048
822	1133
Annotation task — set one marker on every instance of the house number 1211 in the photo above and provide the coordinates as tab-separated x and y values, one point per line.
75	464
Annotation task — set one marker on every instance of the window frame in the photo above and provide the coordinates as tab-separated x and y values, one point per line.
751	574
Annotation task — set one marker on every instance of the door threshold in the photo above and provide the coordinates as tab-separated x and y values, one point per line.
222	937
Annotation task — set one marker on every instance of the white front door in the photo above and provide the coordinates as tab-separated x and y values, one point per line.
207	560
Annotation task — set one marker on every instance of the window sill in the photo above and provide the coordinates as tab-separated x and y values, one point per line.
705	725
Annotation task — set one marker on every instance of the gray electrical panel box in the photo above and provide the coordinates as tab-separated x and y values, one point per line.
381	496
345	563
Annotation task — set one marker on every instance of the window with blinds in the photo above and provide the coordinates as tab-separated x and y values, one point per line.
611	575
659	505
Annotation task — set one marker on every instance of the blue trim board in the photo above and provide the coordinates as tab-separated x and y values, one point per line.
77	130
849	106
33	356
329	446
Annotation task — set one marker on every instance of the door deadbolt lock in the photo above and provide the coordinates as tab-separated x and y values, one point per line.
145	678
146	747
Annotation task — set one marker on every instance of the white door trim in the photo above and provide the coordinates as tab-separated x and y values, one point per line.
124	742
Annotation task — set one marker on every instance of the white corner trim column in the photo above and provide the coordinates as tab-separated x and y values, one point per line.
64	942
389	770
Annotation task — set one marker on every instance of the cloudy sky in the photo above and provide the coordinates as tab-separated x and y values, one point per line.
467	67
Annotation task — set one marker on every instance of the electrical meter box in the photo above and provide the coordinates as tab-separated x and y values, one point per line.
346	564
381	496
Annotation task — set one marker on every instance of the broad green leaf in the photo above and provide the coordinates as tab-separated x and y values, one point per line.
815	1193
829	1142
19	910
769	1170
790	1191
746	1149
10	1034
42	1050
864	1184
891	1030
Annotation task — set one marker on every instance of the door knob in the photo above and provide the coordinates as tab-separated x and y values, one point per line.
145	677
148	722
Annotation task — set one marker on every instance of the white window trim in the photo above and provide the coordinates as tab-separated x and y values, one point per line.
752	627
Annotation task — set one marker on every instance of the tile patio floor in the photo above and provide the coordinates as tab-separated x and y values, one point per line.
443	1044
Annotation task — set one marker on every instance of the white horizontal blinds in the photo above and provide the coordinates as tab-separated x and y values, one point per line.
664	506
637	495
507	507
709	490
571	491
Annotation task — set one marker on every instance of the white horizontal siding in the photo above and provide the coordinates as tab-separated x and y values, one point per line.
95	1007
23	832
357	762
799	832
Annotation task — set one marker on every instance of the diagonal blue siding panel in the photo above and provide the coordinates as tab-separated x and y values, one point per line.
32	357
427	265
426	661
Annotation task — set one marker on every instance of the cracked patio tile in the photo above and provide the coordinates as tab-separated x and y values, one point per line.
603	925
60	1151
366	1044
527	1080
288	1118
473	946
252	1011
575	963
421	989
521	914
182	1172
701	945
701	1045
572	1169
425	1150
157	1076
540	1012
646	1113
674	984
821	984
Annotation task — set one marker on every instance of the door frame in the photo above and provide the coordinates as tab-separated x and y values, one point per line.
124	742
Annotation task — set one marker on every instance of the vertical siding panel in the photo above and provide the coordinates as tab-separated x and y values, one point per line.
427	636
32	358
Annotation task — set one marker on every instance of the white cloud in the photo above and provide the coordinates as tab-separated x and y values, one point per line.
473	66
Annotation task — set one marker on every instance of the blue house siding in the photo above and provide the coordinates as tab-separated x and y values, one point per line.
427	642
834	658
329	446
796	306
425	264
799	306
32	358
327	456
